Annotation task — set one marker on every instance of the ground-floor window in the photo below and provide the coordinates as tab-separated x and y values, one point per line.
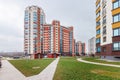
98	49
116	46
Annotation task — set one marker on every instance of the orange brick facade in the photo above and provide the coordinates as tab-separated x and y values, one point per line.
41	39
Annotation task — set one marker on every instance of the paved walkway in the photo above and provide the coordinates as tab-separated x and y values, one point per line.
47	73
9	72
112	65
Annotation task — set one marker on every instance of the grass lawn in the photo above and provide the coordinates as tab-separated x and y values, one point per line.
31	67
71	69
100	61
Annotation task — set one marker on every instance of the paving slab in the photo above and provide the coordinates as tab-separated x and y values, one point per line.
47	73
9	72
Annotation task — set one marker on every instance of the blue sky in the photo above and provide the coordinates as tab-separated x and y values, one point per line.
77	13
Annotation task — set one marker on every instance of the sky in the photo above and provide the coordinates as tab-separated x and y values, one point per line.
77	13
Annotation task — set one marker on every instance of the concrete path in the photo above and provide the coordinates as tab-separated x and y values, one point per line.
9	72
111	65
47	73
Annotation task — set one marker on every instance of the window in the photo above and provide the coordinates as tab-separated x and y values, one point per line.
98	6
98	23
104	49
35	36
34	16
104	39
104	11
34	25
98	31
104	1
116	46
98	14
104	30
98	40
116	32
116	18
42	19
116	4
98	49
26	16
26	25
26	31
104	20
34	31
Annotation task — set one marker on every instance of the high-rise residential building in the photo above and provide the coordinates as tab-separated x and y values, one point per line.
66	40
42	39
78	48
92	45
83	49
108	28
33	30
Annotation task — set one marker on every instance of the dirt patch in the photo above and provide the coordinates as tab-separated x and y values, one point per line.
35	67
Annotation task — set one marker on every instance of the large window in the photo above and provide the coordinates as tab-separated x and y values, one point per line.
34	30
104	20
98	40
98	49
104	39
116	32
98	23
116	18
104	11
116	4
116	46
34	25
97	6
34	16
104	30
98	31
98	14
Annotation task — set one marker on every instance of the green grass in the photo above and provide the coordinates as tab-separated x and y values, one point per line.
31	67
71	69
100	61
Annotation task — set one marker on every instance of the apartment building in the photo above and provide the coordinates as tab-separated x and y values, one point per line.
83	49
78	48
42	39
66	41
92	45
33	30
107	28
